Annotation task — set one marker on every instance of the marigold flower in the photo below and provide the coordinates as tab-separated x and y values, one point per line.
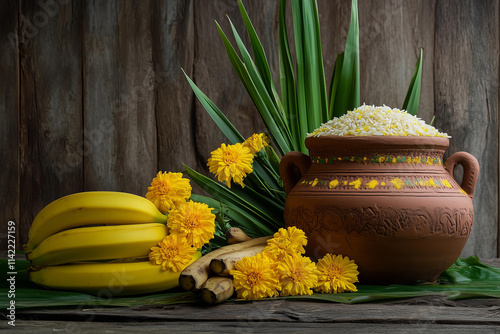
336	274
231	163
168	190
193	221
256	142
255	277
298	275
285	242
173	253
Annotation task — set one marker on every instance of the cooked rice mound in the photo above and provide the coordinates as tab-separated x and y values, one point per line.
377	121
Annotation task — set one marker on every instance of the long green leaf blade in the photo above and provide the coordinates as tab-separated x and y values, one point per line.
219	118
413	95
283	143
302	112
238	219
334	83
287	79
347	96
311	81
260	58
323	98
229	197
260	87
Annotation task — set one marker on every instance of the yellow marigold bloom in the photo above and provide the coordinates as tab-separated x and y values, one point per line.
298	275
255	277
256	142
336	274
285	242
173	253
193	221
231	163
168	190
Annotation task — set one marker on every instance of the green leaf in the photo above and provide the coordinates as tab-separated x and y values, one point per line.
260	59
334	83
347	94
235	200
238	217
477	280
277	133
470	270
323	98
312	64
311	86
274	160
261	97
287	80
219	118
302	67
413	95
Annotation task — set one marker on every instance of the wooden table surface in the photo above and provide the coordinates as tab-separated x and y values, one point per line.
414	315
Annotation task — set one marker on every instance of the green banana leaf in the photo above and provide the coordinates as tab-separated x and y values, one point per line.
348	89
249	76
467	278
287	81
413	95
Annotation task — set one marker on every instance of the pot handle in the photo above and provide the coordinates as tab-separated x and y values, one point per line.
471	170
288	165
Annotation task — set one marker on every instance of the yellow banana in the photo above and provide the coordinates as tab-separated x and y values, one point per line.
98	243
107	279
91	208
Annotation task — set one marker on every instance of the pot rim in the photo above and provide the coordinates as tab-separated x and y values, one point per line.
378	142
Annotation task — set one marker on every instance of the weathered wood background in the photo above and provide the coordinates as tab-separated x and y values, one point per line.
93	96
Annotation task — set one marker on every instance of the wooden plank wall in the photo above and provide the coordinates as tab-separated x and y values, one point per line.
93	95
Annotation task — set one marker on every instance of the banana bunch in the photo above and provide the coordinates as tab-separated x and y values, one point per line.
209	275
98	243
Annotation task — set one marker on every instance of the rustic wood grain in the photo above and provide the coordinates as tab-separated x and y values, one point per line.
466	101
50	107
119	121
173	50
282	311
419	314
388	64
102	103
9	120
249	327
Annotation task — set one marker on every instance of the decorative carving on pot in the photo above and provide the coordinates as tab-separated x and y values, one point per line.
389	203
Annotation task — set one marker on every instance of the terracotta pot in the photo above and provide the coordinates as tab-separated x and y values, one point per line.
389	203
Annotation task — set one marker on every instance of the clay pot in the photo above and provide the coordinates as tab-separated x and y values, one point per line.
389	203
